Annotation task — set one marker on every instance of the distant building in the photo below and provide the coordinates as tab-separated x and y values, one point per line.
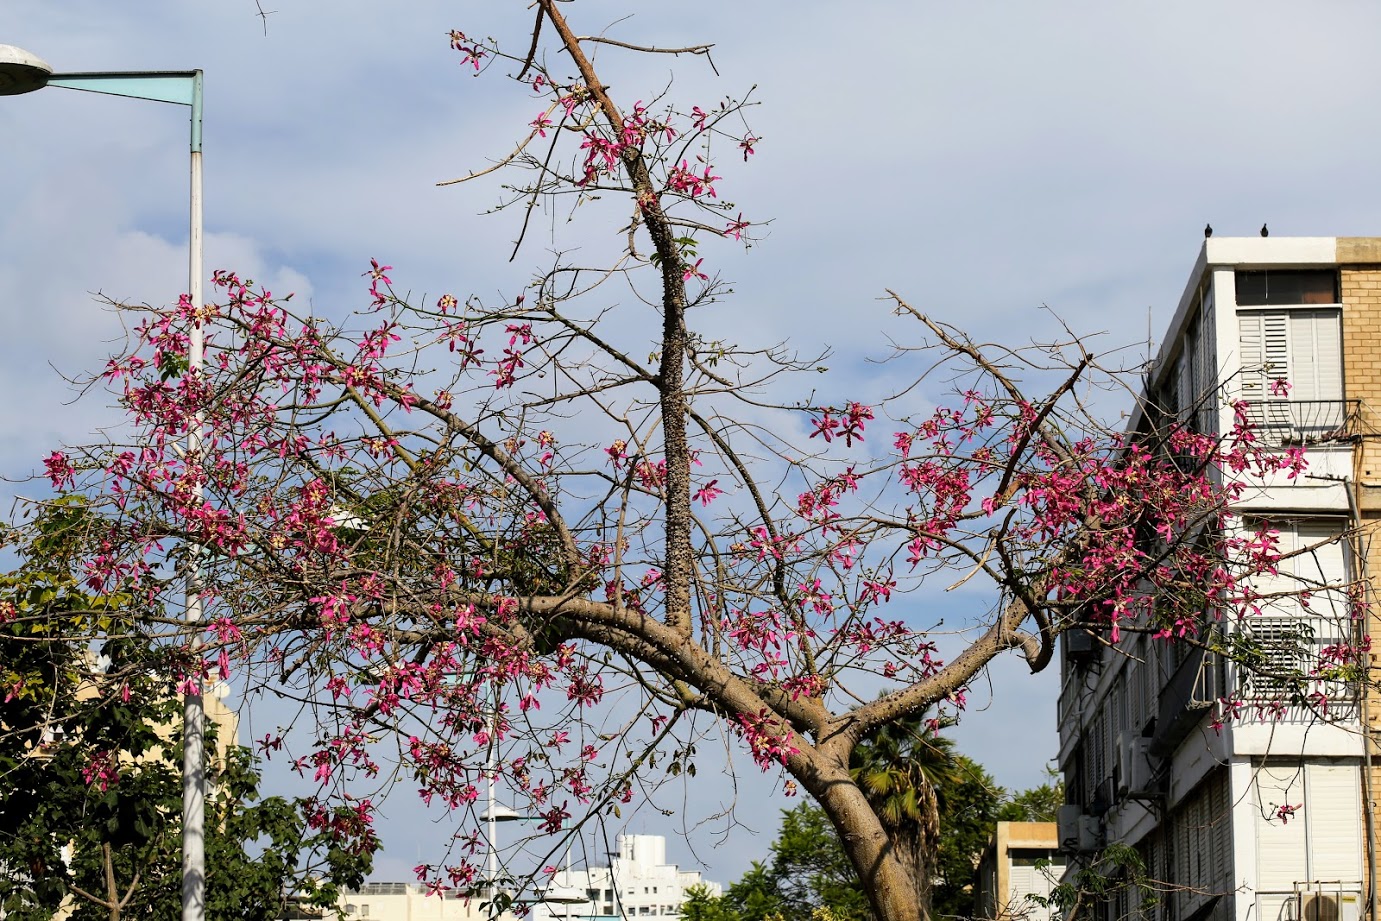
1262	814
639	884
406	902
1022	860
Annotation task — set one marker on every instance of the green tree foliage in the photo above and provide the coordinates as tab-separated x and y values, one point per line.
1038	804
969	806
90	756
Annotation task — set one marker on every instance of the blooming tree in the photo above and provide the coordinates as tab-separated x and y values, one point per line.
485	539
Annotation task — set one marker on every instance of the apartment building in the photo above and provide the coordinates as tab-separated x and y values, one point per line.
1259	817
406	902
638	883
1018	870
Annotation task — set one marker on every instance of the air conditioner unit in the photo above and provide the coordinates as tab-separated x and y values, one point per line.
1321	904
1134	771
1068	822
1090	833
1316	906
1080	645
1079	832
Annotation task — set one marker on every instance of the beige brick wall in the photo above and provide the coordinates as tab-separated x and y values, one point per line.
1361	289
1361	295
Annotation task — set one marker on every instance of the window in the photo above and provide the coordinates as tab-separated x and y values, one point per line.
1195	375
1270	287
1292	629
1303	349
1321	838
1282	644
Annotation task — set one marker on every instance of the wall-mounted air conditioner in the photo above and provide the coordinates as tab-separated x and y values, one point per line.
1067	823
1080	645
1134	769
1327	902
1079	832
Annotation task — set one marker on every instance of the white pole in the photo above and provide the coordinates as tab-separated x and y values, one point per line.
193	712
493	824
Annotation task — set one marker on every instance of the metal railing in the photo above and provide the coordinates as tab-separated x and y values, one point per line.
1300	423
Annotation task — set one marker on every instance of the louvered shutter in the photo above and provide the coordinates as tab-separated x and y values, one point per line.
1264	341
1315	349
1183	850
1303	348
1317	371
1207	365
1222	834
1251	342
1334	815
1192	375
1324	565
1281	844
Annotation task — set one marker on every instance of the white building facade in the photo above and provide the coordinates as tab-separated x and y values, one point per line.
1259	814
639	883
407	902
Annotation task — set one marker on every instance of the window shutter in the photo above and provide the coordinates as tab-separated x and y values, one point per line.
1315	349
1281	844
1304	348
1334	815
1207	364
1251	339
1222	833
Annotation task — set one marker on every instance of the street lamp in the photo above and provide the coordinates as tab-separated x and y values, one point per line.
23	72
496	813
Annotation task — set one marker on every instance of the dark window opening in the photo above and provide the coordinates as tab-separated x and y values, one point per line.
1287	286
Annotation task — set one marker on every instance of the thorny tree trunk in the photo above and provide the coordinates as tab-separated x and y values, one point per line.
679	561
890	870
891	874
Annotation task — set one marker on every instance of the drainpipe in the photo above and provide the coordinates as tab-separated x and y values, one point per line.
1374	898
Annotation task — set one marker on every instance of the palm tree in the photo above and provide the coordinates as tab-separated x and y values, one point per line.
903	769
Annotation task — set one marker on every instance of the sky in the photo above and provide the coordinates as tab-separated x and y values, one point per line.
984	160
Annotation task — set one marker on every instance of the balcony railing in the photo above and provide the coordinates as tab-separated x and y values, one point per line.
1300	423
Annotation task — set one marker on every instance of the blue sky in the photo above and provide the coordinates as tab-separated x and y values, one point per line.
982	159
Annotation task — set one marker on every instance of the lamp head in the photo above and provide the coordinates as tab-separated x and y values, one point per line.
501	813
561	895
21	72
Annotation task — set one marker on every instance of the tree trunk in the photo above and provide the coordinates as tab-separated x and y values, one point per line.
894	876
916	860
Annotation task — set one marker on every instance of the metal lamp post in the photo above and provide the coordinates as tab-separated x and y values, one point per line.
22	72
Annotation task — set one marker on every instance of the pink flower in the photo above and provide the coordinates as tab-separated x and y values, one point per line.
708	493
60	470
376	276
617	452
